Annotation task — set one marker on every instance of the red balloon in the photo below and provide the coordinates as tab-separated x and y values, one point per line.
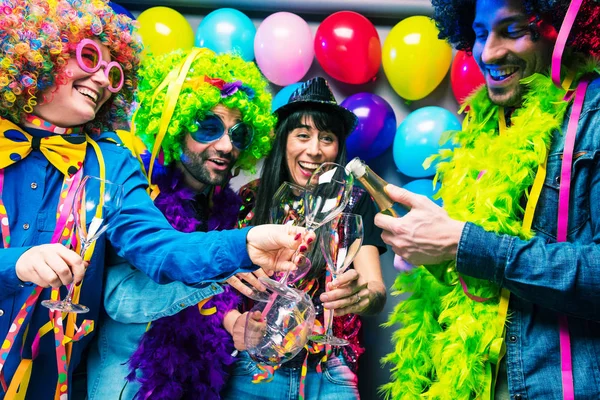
465	76
348	48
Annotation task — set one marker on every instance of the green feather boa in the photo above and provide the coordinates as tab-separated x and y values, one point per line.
442	350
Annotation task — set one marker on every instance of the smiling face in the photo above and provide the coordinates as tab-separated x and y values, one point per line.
79	99
505	51
210	163
307	148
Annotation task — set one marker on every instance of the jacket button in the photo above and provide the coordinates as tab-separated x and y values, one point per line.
1	312
512	338
26	226
182	305
33	185
517	397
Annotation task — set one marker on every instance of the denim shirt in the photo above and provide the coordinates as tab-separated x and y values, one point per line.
546	278
131	300
139	233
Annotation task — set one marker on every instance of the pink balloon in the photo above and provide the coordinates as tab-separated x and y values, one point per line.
283	47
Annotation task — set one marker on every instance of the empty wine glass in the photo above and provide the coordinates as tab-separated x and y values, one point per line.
95	205
340	242
287	207
283	331
327	193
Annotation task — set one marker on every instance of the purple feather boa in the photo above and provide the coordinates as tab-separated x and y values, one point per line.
187	355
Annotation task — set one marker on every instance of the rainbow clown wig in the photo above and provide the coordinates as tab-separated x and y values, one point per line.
454	19
178	89
38	37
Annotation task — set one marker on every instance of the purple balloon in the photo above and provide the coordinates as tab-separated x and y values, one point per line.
402	266
376	126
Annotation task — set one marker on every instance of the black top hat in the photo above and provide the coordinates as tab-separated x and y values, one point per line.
317	91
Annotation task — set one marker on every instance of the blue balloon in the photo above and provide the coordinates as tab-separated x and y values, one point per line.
120	9
227	30
283	96
376	126
418	137
425	188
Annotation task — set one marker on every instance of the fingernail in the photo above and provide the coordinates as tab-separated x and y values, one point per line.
309	240
303	248
298	236
78	283
324	298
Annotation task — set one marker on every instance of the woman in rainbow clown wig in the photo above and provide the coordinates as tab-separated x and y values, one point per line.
67	76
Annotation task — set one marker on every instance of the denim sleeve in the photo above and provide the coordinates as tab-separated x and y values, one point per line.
131	297
563	276
9	282
142	235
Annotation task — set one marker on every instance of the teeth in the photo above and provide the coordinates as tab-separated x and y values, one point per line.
307	165
501	74
87	92
218	162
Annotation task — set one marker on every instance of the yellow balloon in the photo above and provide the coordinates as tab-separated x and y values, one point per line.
163	29
415	61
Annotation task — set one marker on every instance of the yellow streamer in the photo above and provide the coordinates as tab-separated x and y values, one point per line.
206	311
498	349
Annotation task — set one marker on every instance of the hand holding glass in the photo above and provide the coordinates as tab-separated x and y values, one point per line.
340	241
287	207
326	195
96	201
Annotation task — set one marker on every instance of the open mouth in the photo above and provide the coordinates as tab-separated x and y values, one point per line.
220	163
308	168
503	74
87	93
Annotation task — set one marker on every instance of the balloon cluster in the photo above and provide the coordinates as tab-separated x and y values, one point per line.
348	48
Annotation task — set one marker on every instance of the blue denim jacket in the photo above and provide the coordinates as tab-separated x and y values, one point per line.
131	300
140	234
546	278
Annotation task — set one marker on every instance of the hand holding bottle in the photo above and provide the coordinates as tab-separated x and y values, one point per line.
425	235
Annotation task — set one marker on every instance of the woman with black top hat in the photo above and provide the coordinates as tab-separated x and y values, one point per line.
311	130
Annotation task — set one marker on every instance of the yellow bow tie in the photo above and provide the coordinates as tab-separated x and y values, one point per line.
66	152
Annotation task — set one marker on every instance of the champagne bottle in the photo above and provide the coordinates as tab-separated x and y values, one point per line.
375	185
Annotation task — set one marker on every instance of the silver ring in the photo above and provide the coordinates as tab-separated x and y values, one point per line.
358	297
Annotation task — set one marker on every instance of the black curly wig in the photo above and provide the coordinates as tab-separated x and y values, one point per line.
454	19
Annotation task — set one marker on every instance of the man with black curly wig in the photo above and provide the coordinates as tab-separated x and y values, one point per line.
514	308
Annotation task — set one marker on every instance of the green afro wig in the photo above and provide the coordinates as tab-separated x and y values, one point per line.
177	82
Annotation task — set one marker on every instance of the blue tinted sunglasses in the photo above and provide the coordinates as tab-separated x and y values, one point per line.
211	129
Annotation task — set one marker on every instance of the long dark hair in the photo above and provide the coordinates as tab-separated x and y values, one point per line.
275	170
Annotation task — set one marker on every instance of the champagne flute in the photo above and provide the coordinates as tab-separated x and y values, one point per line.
97	201
327	194
287	207
340	243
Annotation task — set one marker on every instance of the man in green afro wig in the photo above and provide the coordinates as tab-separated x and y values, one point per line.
199	115
181	92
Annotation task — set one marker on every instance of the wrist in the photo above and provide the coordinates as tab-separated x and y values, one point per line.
230	319
377	298
455	234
